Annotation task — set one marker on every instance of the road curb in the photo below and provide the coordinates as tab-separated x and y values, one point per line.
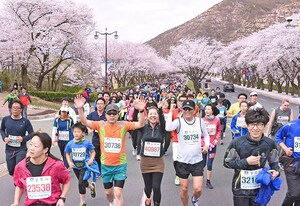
273	95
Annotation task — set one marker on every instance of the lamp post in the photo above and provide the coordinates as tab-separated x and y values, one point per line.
96	36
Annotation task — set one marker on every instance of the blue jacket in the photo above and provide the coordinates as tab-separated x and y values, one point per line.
92	170
235	128
290	135
267	187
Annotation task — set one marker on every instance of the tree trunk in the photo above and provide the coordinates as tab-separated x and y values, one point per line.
287	85
24	75
270	83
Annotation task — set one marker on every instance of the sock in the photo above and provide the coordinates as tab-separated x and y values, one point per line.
91	186
82	200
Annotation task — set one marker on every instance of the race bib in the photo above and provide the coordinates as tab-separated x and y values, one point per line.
79	154
152	149
211	129
112	145
13	141
282	119
221	113
38	187
240	122
248	179
297	144
191	139
63	135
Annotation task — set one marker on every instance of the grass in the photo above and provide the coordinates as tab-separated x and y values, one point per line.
37	102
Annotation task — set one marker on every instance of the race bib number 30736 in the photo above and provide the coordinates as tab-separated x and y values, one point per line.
38	187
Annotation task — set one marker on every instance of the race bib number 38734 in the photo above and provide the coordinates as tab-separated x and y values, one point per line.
38	187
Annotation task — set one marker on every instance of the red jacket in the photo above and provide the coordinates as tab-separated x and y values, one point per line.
54	168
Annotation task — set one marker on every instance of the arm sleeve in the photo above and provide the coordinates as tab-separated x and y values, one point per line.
281	134
219	130
162	121
232	159
170	126
205	133
29	130
233	124
2	130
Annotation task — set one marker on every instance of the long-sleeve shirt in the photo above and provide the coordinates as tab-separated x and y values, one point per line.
12	128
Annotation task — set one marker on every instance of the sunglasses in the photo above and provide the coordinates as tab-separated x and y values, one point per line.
112	113
187	109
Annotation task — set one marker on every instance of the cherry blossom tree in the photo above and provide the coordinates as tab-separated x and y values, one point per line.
195	58
46	35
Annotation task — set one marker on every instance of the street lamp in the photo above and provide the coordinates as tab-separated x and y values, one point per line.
96	36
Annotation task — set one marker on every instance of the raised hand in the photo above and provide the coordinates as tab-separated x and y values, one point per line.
79	101
140	104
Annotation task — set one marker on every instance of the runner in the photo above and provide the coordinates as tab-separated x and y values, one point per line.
223	119
112	142
213	127
235	107
253	104
97	115
288	138
279	117
10	98
25	99
41	170
238	124
189	156
248	155
151	138
62	131
15	132
80	151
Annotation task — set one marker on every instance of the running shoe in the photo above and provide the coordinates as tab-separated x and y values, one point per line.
93	191
134	152
195	202
148	202
82	204
177	181
138	157
209	185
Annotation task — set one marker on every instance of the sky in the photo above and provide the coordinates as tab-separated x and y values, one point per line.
141	20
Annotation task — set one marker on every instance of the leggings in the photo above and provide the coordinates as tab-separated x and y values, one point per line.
208	158
293	194
153	182
13	157
62	145
82	184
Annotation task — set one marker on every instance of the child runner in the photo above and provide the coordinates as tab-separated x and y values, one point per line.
78	151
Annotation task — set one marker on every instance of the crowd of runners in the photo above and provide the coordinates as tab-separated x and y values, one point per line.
160	119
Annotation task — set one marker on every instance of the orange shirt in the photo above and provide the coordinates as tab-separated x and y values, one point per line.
112	141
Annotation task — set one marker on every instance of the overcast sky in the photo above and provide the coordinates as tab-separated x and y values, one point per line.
142	20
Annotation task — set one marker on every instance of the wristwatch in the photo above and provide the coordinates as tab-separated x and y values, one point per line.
62	198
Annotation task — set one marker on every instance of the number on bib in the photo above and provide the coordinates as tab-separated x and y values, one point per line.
38	187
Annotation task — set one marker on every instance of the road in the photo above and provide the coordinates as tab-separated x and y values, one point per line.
220	195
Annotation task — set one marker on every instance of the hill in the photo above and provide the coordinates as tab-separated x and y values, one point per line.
228	21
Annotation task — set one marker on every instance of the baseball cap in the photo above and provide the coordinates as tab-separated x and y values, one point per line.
111	107
64	109
188	104
253	93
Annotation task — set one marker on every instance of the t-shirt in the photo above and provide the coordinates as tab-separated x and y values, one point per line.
234	108
112	141
80	152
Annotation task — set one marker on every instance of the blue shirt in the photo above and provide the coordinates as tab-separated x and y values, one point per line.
80	152
64	129
235	127
95	117
289	134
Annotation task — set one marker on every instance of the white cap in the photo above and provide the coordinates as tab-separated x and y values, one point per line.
64	109
253	93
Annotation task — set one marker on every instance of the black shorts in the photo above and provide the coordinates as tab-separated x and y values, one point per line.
183	170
